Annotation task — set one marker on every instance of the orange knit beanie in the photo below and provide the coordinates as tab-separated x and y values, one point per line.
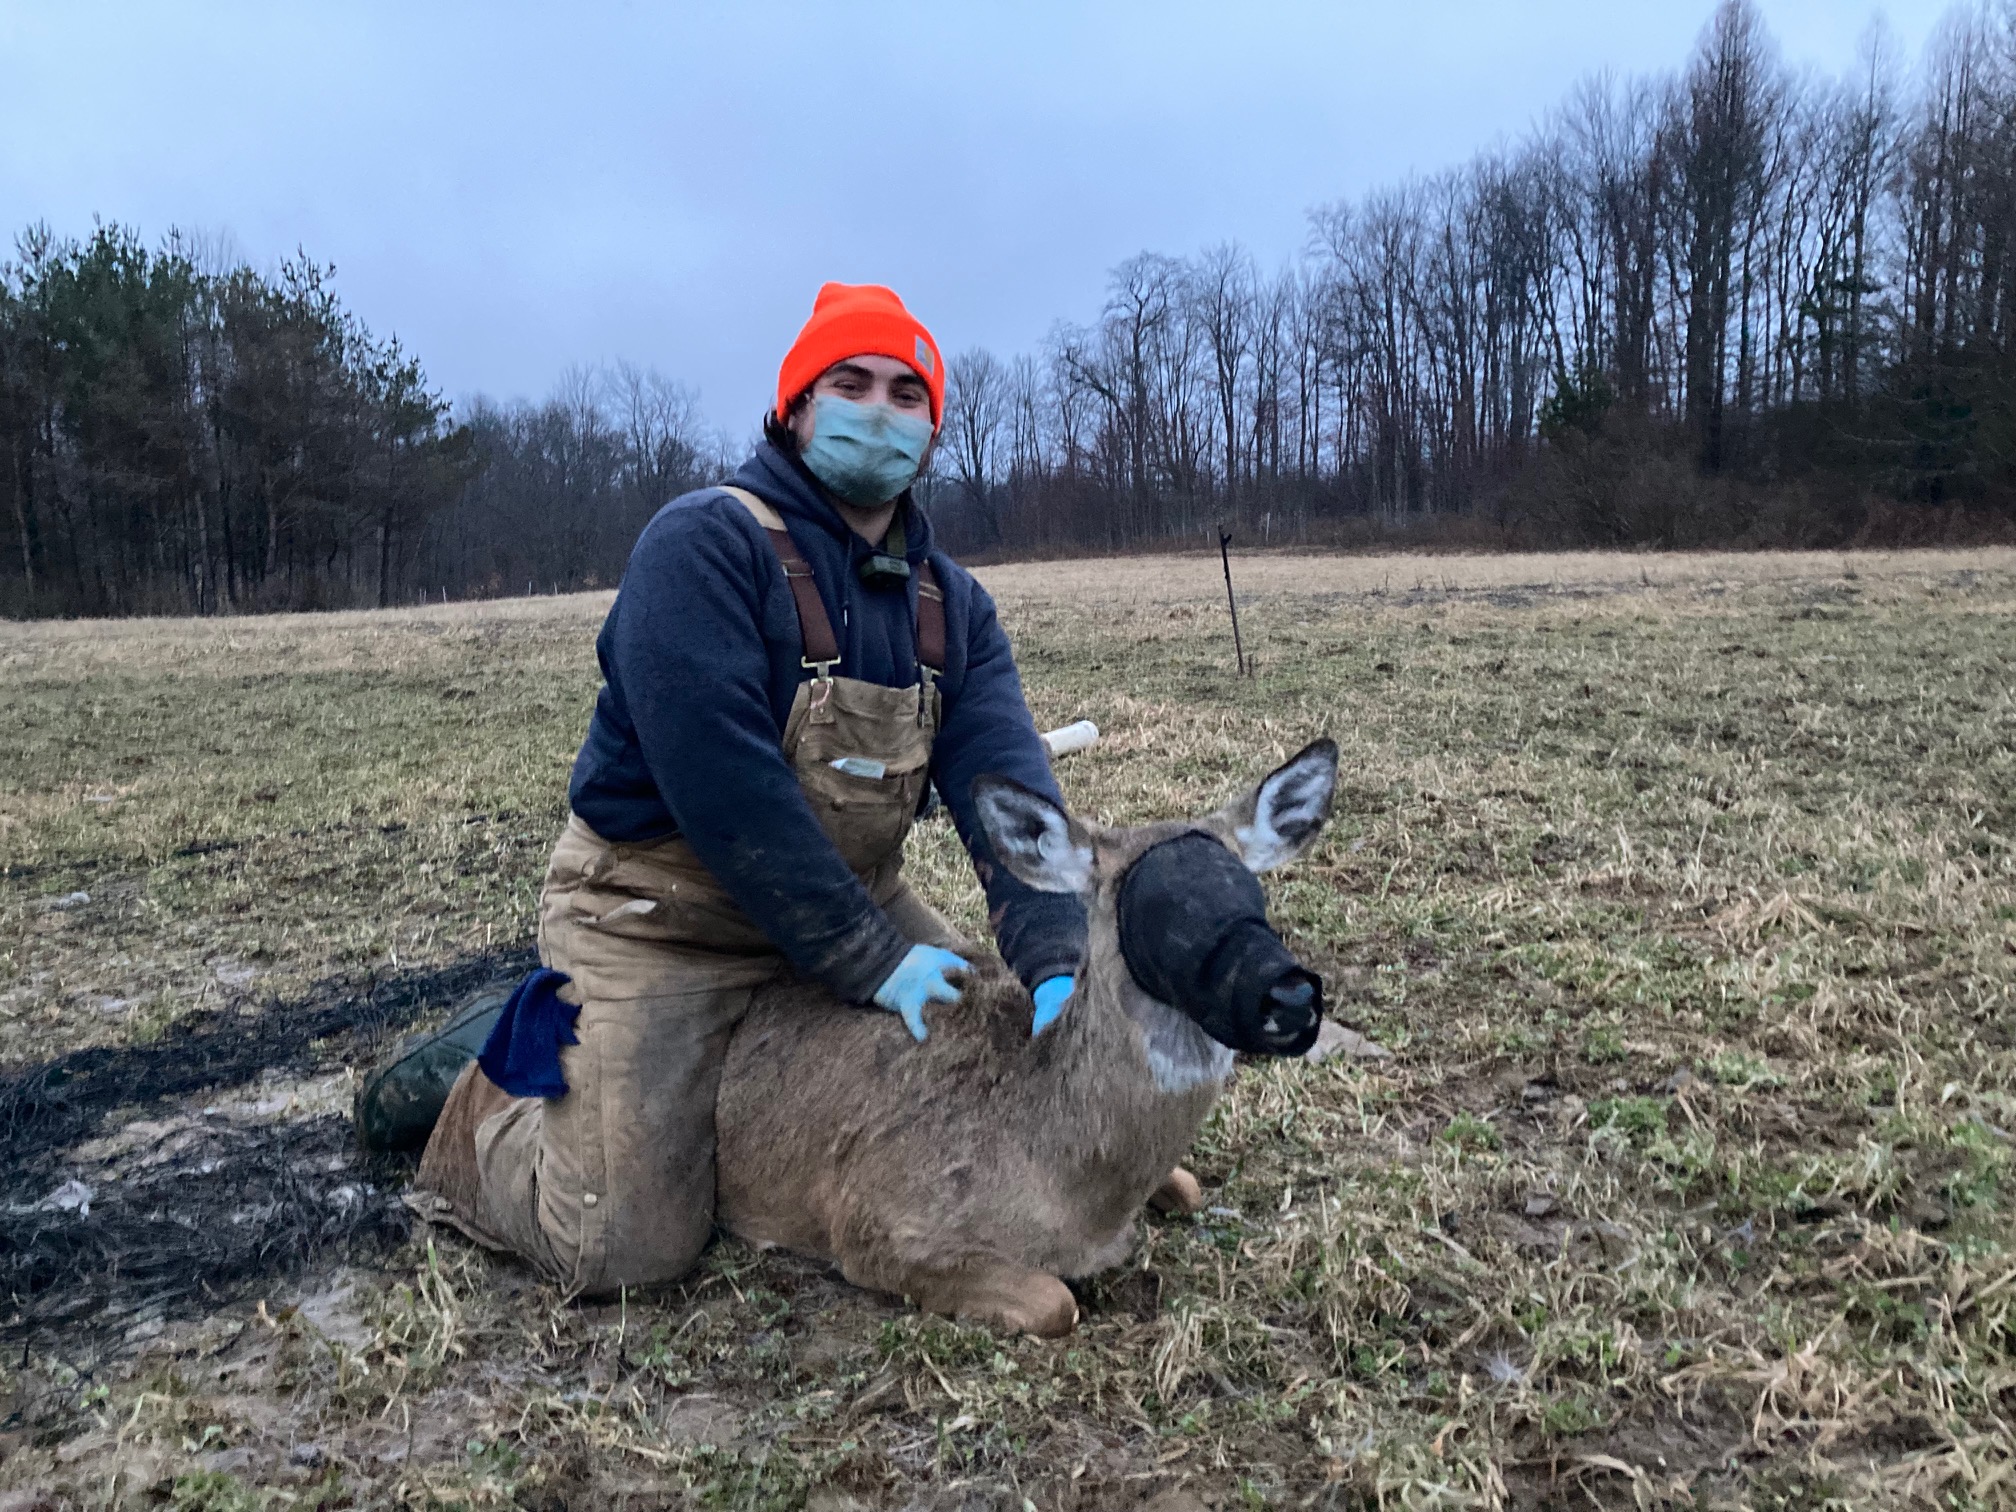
853	320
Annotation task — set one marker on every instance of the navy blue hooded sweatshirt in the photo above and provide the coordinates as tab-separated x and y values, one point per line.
700	662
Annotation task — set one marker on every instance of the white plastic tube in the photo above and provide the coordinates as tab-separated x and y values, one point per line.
1081	736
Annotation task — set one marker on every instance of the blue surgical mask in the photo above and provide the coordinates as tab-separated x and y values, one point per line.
866	453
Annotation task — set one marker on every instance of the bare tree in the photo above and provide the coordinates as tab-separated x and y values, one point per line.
1721	140
976	408
1221	300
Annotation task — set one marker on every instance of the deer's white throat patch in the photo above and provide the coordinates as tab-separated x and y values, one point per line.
1186	1073
1181	1057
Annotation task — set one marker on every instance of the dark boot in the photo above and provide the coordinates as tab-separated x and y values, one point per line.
400	1101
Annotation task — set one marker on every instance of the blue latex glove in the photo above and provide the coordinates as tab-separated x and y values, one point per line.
923	976
1051	994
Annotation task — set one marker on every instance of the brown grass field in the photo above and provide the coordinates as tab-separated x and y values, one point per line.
1682	889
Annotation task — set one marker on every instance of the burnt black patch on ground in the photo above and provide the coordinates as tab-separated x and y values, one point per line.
201	1208
232	1208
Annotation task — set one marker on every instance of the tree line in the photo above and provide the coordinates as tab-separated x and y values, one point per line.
1734	304
178	434
181	433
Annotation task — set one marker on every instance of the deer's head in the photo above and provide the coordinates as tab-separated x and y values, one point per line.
1178	925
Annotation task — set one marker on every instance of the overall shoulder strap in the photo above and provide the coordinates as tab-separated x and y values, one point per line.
815	628
930	619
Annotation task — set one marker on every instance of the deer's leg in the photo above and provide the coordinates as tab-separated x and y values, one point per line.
1180	1192
995	1292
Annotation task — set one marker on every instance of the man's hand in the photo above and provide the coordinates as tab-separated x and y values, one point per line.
1051	995
923	976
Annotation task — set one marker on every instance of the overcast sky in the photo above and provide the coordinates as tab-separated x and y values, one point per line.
512	188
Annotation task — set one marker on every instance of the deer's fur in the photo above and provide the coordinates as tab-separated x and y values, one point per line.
972	1171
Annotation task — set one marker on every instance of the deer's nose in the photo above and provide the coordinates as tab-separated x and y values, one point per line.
1293	1004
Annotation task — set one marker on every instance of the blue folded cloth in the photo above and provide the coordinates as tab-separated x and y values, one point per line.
522	1054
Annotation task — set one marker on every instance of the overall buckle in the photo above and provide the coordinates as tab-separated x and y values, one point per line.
822	687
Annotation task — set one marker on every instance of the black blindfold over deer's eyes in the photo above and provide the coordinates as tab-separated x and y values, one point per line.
1194	933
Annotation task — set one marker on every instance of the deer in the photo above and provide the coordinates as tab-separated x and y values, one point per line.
976	1172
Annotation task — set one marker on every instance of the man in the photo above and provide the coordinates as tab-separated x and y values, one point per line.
787	667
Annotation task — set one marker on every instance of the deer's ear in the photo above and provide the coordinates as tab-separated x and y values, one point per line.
1032	837
1281	817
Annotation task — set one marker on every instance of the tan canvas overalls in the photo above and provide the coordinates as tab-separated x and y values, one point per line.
612	1184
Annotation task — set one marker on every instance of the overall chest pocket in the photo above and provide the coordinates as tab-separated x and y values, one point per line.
862	753
866	817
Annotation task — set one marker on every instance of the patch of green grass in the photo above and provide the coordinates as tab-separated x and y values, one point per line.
1746	1072
214	1491
1603	1046
936	1341
1567	1416
1466	1131
1635	1120
1986	1155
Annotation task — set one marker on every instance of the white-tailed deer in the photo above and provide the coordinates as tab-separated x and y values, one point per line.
971	1172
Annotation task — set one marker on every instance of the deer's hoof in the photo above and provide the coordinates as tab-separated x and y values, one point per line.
1048	1311
1001	1296
1026	1301
1180	1192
